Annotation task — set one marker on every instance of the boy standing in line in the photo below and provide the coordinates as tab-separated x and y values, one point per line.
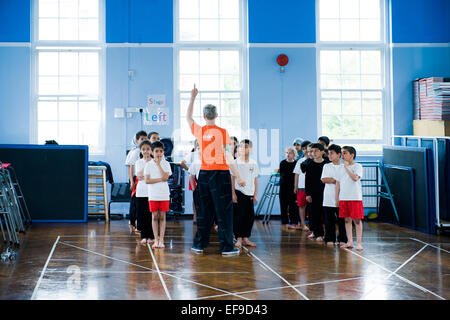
330	205
299	185
349	193
246	196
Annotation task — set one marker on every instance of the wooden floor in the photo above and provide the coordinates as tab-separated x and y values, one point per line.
98	261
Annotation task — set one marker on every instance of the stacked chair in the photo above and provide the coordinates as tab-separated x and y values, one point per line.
14	214
271	192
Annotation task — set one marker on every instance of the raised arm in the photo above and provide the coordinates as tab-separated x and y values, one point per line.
190	109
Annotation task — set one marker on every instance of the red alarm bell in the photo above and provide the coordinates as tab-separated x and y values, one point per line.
282	60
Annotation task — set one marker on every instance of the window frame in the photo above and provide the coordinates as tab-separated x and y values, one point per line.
241	46
386	76
70	46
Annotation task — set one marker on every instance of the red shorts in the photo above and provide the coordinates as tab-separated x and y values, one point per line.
162	206
352	209
301	198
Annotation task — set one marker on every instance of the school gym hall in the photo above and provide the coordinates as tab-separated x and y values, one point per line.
238	150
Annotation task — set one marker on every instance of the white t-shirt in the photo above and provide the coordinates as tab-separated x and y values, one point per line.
157	191
194	162
132	157
301	175
248	172
349	189
330	170
141	188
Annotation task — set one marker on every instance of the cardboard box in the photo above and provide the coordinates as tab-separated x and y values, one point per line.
431	128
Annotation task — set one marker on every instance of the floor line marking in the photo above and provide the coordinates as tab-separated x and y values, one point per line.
276	273
168	274
159	272
132	272
284	287
398	276
33	296
430	245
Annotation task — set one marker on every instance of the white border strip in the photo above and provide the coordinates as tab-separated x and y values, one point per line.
139	45
430	245
281	45
277	274
420	45
398	276
33	296
15	44
159	272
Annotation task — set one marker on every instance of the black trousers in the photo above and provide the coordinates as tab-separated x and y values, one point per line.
144	218
132	213
245	215
288	204
317	215
215	198
331	216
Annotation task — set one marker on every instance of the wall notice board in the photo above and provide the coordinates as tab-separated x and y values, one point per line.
53	178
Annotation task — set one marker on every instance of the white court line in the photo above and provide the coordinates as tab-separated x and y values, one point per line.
430	245
277	274
283	287
137	272
159	272
33	296
398	276
165	273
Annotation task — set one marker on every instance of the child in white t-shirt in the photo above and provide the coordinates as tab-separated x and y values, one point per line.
349	193
330	205
299	186
130	161
157	173
194	170
144	216
245	196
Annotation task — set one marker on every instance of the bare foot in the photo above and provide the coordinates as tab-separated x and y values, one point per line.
311	236
249	243
216	227
331	244
131	227
143	242
238	243
161	244
347	246
150	241
342	243
155	245
319	239
291	226
359	247
305	228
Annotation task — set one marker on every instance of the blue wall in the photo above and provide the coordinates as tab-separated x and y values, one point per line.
277	101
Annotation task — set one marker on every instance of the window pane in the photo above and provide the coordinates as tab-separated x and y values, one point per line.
231	107
210	98
68	85
189	61
349	9
368	147
229	30
350	62
371	62
349	30
330	81
187	82
68	8
331	106
89	85
209	30
209	9
331	126
48	8
48	85
351	127
229	62
188	30
188	8
47	130
331	94
89	133
351	106
68	110
68	29
329	9
48	63
370	30
48	29
351	82
230	82
370	82
209	62
372	128
89	29
68	63
209	82
372	106
89	63
68	132
89	111
47	110
232	125
329	30
370	9
229	9
88	8
329	62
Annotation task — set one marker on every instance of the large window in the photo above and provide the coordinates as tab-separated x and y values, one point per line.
351	77
210	50
68	73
